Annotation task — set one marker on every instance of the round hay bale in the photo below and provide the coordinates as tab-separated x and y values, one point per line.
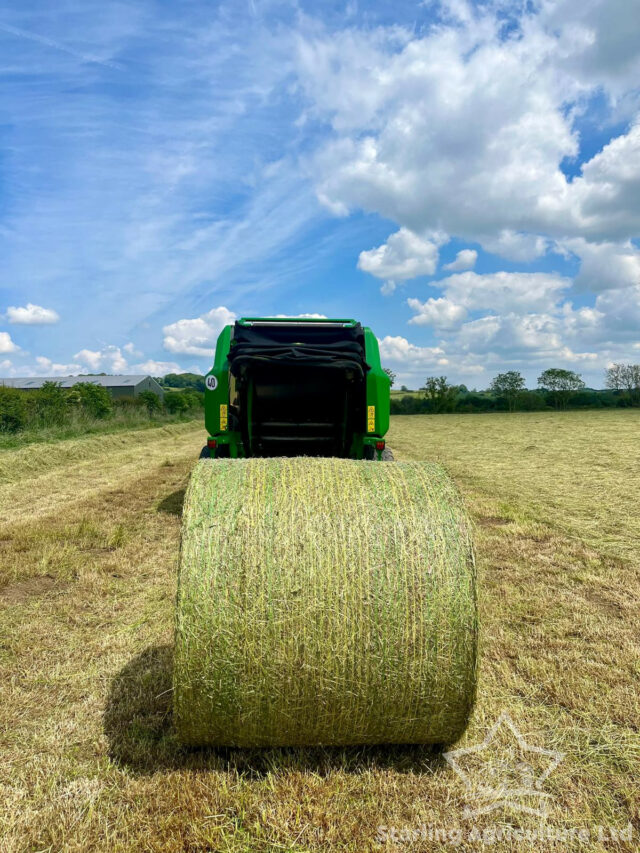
324	601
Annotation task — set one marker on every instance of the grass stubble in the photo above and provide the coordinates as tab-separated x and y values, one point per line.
90	760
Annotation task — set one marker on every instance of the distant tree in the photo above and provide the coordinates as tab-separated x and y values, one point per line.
93	399
175	402
151	401
403	388
390	374
560	385
508	385
183	380
195	399
13	409
51	403
625	377
614	377
440	394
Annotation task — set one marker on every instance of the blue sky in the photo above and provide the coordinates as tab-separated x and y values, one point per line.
465	178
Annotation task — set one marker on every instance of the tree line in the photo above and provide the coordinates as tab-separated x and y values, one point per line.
556	389
52	407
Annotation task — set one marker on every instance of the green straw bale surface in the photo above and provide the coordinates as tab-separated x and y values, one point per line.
324	601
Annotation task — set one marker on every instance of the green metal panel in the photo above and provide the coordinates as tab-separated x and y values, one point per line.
217	383
378	388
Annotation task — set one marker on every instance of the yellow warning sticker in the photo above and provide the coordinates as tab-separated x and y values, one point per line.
371	418
223	417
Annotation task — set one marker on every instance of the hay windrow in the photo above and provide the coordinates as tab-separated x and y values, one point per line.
324	601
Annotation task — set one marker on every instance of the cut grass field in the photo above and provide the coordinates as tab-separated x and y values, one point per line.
88	549
81	426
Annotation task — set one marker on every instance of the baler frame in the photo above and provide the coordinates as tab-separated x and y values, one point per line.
229	438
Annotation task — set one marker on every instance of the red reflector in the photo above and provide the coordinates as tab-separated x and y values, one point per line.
211	442
379	445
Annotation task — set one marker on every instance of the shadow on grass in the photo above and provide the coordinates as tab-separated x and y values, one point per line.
172	504
138	726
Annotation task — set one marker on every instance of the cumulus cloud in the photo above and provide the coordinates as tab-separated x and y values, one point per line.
32	315
440	313
465	260
605	265
515	246
198	335
6	344
156	368
405	255
398	350
302	316
411	156
498	292
608	34
47	367
109	359
532	338
618	314
474	130
401	109
413	363
530	321
603	202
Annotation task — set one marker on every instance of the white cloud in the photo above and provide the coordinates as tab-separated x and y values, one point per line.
440	313
130	349
465	130
197	336
470	129
413	363
515	246
496	292
302	316
405	255
465	260
618	313
90	357
529	324
109	359
608	32
5	364
47	367
605	265
397	350
6	344
526	339
156	368
603	203
505	291
32	315
403	145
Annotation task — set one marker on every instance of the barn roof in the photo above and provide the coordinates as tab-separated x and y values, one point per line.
29	382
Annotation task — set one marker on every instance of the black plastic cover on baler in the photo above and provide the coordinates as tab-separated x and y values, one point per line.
327	346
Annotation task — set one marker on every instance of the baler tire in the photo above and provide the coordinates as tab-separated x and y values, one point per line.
372	456
205	453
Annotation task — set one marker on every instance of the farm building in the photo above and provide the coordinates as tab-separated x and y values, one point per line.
119	386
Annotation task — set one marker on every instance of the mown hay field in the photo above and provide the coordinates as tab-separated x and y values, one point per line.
88	555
